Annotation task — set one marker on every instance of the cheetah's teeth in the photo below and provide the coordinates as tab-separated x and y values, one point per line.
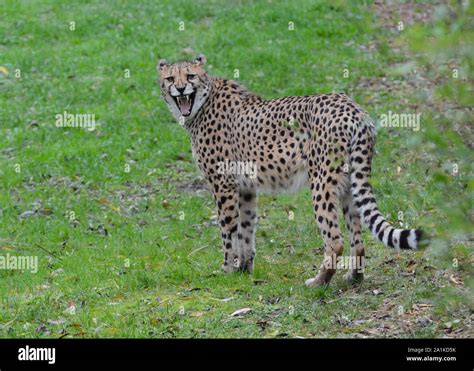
184	104
182	99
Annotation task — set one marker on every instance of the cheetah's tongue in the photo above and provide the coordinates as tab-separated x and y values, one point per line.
184	104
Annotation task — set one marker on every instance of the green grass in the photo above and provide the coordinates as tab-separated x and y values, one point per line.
141	255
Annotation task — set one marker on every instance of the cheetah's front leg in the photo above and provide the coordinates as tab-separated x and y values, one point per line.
246	235
227	205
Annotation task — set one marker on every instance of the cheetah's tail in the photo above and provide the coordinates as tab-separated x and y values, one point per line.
364	200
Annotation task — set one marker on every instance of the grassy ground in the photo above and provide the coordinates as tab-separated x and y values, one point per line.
119	218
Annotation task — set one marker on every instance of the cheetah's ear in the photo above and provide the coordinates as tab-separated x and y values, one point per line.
161	64
200	60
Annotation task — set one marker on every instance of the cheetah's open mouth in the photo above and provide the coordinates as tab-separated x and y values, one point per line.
185	103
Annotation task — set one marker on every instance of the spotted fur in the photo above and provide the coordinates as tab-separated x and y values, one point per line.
325	141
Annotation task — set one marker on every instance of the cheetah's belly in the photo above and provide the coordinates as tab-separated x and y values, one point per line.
290	180
293	184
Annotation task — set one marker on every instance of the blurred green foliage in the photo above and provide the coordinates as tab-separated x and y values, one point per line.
444	49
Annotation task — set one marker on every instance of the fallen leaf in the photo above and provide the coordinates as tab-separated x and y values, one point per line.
411	266
57	272
109	204
241	312
197	314
42	329
225	300
71	309
182	156
454	280
27	214
45	211
56	322
263	324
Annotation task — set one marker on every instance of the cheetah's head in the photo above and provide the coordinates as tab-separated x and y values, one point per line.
184	86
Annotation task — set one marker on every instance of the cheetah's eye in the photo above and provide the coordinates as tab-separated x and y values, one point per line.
170	79
191	76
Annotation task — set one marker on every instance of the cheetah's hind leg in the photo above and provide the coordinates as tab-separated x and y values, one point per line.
324	186
356	263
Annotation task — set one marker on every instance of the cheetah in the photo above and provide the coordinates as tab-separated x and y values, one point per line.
324	141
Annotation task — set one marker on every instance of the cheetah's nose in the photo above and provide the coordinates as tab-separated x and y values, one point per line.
181	90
